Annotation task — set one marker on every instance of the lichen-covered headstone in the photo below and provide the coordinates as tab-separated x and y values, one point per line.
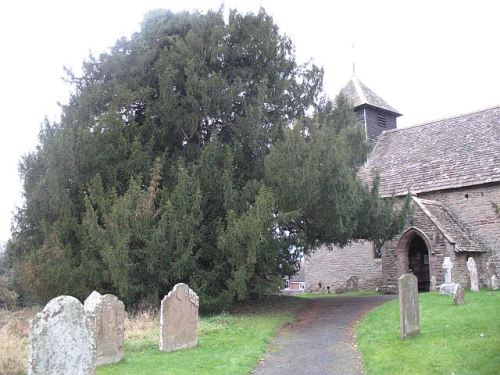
408	306
474	281
458	295
494	282
352	284
433	286
179	319
106	317
61	342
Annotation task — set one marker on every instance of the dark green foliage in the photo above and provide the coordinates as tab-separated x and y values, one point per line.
186	154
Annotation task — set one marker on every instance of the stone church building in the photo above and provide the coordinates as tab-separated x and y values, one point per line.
452	169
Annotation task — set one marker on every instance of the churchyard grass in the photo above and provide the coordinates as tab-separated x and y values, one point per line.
227	343
453	339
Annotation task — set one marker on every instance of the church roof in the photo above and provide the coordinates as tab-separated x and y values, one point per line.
445	154
300	276
360	95
450	225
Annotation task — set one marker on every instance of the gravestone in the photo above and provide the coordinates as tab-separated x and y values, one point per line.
61	342
449	286
494	282
474	282
458	295
433	286
179	319
408	306
352	284
106	317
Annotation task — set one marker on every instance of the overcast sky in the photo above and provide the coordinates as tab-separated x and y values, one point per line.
428	59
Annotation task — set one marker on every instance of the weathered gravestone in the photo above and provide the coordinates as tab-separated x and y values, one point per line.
352	284
494	282
449	286
179	319
106	317
491	270
408	306
458	295
433	286
61	342
474	282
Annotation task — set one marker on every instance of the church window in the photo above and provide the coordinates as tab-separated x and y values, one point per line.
381	121
377	249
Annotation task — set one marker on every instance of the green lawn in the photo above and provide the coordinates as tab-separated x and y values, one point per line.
227	343
453	339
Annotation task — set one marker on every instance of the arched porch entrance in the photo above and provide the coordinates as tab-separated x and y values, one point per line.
413	256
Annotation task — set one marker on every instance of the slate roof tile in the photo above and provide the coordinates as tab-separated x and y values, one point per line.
452	226
449	153
360	94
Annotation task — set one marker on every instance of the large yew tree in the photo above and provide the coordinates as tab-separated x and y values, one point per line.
195	151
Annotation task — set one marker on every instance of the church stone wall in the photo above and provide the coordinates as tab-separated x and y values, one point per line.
334	266
474	206
439	248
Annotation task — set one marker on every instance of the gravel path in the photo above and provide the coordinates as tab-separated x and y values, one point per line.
321	341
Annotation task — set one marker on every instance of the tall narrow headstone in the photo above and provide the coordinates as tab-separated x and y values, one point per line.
433	286
61	342
179	319
408	306
106	317
474	282
494	282
458	295
449	286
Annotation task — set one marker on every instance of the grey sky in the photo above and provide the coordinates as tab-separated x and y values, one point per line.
428	59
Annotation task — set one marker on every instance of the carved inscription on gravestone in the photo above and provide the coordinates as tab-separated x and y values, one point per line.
408	306
179	319
106	316
61	342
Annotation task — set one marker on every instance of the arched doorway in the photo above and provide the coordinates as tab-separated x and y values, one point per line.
418	262
413	256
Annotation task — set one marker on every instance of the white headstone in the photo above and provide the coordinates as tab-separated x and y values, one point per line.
61	342
179	319
106	317
474	282
447	266
448	287
494	282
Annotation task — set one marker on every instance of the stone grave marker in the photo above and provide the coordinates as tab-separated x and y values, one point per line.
106	318
449	286
433	286
352	284
491	269
61	342
474	282
458	295
179	319
494	282
408	306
